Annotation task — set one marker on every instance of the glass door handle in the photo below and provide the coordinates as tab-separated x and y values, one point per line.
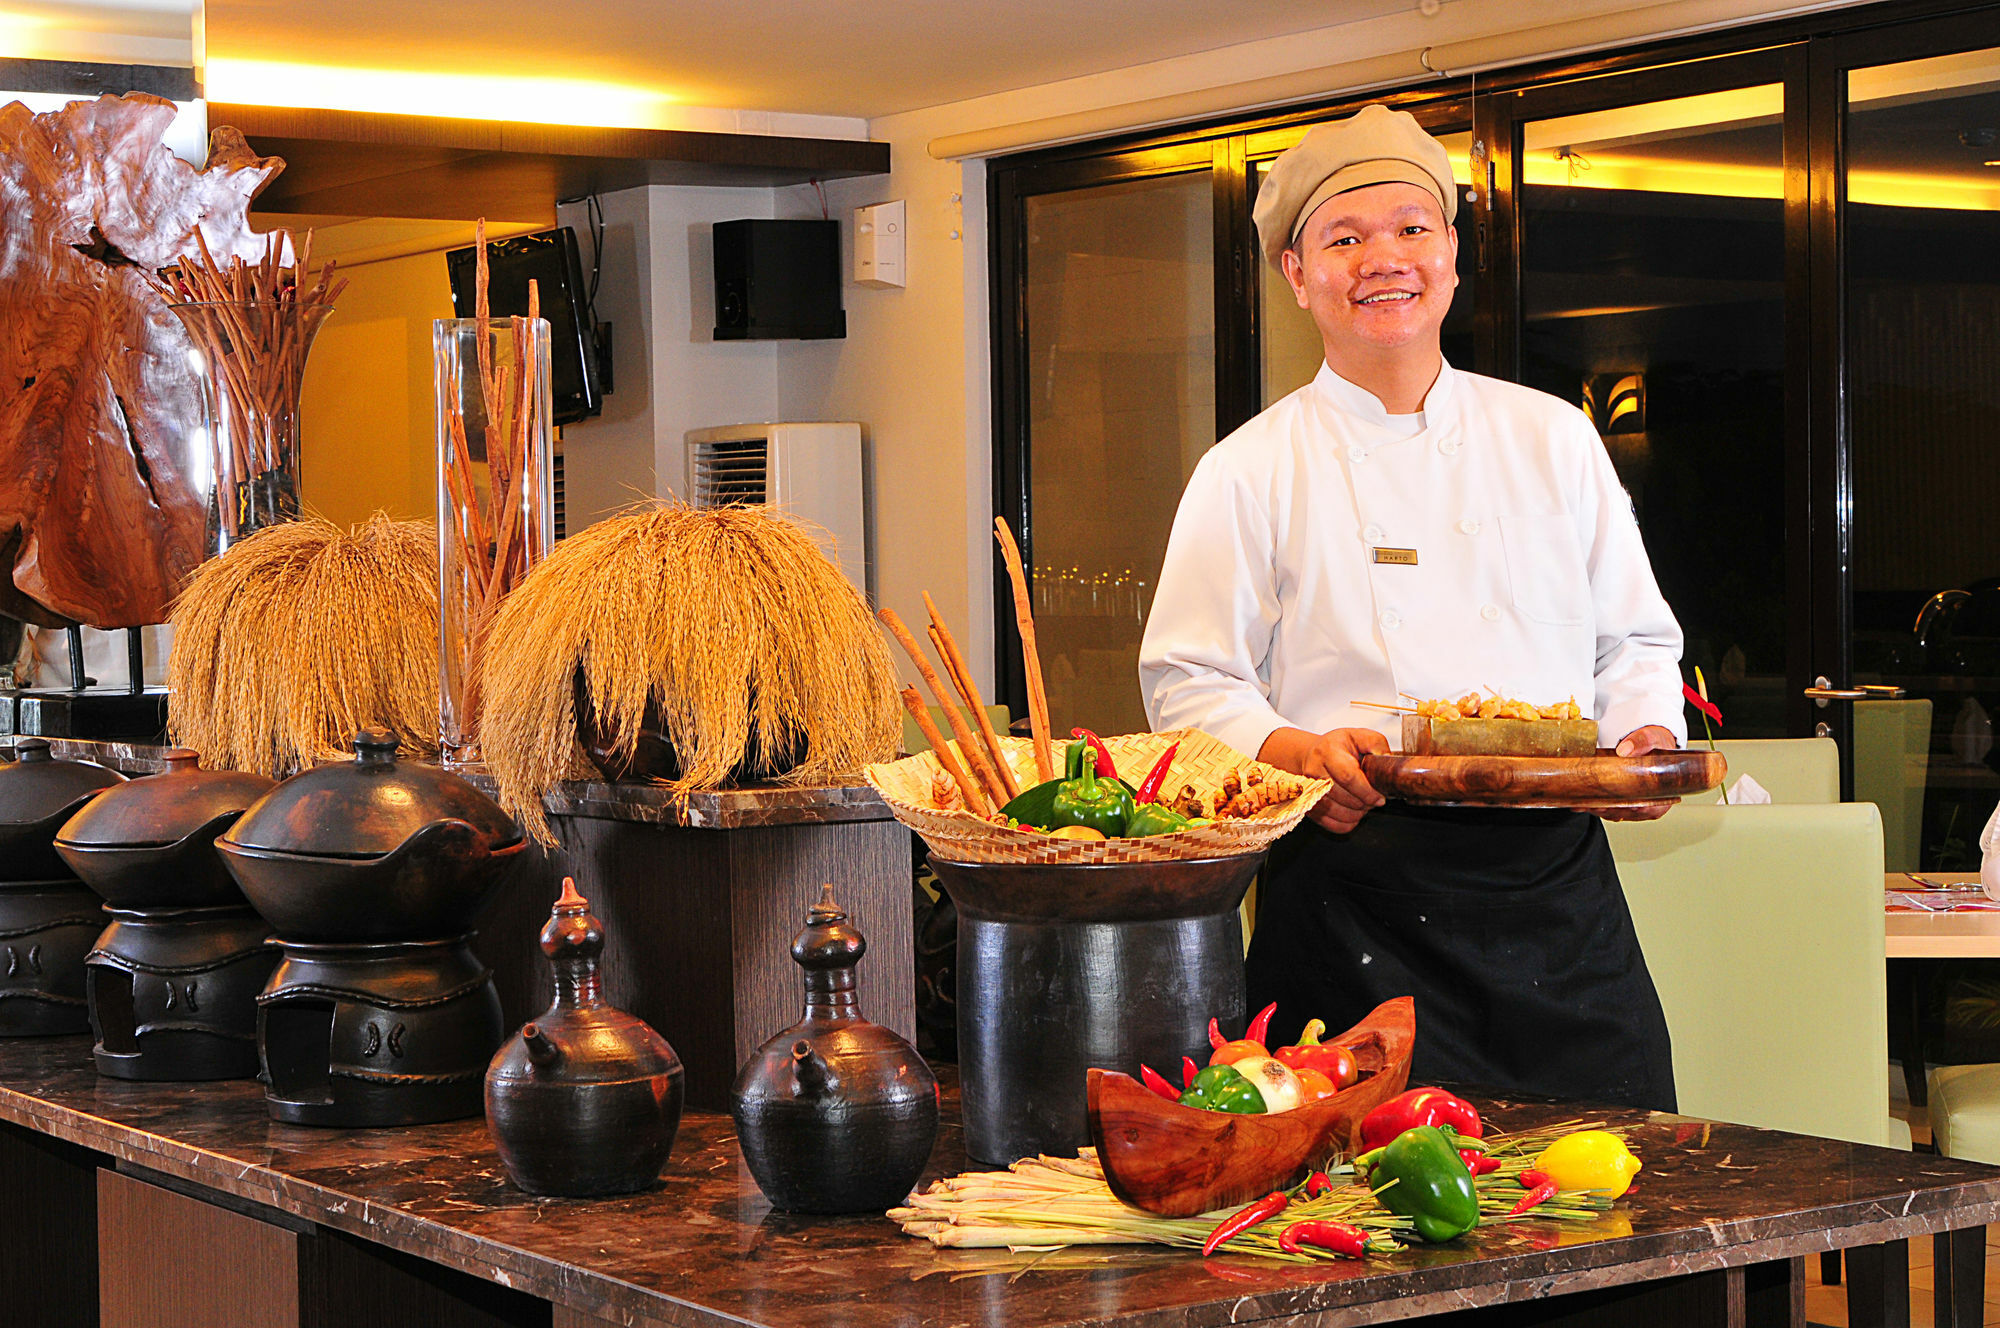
1822	691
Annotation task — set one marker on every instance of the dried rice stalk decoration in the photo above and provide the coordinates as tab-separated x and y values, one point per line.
731	619
301	635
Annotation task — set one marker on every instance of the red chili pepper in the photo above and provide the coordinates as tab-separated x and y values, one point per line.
1317	1184
1532	1179
1188	1071
1215	1038
1419	1106
1159	1083
1149	787
1242	1220
1105	770
1329	1058
1336	1236
1260	1027
1534	1198
1477	1162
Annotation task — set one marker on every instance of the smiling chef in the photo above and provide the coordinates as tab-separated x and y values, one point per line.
1398	526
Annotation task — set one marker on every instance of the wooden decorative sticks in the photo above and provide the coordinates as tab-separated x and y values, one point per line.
1031	655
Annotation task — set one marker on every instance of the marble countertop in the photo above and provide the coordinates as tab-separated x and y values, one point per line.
718	809
705	1248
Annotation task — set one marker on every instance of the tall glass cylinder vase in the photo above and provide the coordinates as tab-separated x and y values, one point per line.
252	357
496	508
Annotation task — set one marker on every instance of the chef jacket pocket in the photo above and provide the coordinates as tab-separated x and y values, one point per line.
1545	565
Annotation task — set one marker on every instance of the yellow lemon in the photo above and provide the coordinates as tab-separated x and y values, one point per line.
1594	1160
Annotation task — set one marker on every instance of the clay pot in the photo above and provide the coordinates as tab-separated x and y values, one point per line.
37	795
173	993
586	1099
150	843
835	1114
371	850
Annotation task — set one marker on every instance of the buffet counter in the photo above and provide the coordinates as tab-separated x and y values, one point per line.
163	1199
700	898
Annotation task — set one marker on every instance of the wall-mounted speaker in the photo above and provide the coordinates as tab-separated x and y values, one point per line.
777	279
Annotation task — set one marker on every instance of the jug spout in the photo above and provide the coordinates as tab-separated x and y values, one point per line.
541	1049
810	1067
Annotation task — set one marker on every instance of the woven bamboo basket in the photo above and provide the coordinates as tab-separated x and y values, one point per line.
961	836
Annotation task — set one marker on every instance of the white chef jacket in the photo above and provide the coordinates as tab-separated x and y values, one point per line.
1530	578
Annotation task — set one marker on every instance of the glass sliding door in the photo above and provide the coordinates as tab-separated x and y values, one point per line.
1920	269
1652	294
1118	286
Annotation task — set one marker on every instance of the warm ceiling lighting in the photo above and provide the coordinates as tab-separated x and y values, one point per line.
460	96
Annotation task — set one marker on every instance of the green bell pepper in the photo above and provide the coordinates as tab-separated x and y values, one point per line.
1433	1187
1150	818
1223	1088
1083	799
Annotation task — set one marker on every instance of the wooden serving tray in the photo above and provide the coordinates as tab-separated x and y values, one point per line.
1581	783
1177	1161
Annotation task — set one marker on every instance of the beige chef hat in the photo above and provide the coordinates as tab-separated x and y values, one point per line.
1375	145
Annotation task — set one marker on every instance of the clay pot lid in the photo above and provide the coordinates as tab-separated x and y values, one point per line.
368	807
164	808
35	785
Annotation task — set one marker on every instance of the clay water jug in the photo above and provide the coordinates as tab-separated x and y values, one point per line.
586	1099
835	1114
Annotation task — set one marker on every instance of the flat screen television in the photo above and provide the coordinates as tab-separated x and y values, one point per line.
550	259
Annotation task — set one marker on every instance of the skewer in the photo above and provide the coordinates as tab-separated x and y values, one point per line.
1031	655
961	676
960	730
914	703
1379	705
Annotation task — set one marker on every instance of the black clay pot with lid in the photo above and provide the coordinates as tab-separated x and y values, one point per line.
835	1114
150	843
371	850
586	1099
38	793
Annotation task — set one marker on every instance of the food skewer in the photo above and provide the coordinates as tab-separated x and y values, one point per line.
1382	705
1031	655
914	703
961	674
968	747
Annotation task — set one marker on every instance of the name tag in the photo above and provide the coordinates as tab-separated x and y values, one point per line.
1401	557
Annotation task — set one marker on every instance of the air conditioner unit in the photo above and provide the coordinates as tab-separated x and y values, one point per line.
808	471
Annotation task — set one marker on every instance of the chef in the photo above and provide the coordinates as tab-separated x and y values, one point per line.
1398	527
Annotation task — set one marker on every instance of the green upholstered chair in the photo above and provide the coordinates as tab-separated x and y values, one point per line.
1763	928
1794	770
1892	753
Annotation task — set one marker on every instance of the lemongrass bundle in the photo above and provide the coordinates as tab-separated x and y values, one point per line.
301	635
750	641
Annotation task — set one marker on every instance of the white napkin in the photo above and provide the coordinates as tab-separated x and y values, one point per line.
1746	792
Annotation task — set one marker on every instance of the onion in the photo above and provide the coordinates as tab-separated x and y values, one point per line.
1274	1079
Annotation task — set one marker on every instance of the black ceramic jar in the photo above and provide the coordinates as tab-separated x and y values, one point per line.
835	1114
586	1099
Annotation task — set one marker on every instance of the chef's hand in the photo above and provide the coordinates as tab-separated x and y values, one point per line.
1335	756
1638	742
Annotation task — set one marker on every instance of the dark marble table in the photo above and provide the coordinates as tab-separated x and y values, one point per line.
1716	1230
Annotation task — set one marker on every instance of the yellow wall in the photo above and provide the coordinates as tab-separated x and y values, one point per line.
368	430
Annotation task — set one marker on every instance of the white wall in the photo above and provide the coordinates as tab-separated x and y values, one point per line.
670	373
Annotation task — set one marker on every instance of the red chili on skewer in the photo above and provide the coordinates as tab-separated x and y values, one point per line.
1336	1236
1242	1220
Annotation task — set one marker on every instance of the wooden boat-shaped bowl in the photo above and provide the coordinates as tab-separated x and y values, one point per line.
1177	1161
1580	783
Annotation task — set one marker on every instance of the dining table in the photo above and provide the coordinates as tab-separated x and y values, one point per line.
1928	917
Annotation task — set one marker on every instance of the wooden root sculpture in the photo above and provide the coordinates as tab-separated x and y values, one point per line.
102	460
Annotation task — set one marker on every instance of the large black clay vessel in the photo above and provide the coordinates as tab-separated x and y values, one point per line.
835	1114
586	1099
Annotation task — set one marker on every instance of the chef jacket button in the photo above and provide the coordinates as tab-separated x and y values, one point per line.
1469	526
1357	453
1490	612
1391	620
1372	533
1448	446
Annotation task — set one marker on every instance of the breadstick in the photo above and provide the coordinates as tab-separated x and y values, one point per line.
961	673
967	748
914	703
1031	656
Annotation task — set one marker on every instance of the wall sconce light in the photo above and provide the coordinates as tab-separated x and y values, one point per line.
1615	402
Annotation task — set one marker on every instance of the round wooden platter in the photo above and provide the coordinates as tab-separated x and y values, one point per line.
1603	782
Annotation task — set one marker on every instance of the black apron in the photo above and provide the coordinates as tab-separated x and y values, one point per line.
1510	929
